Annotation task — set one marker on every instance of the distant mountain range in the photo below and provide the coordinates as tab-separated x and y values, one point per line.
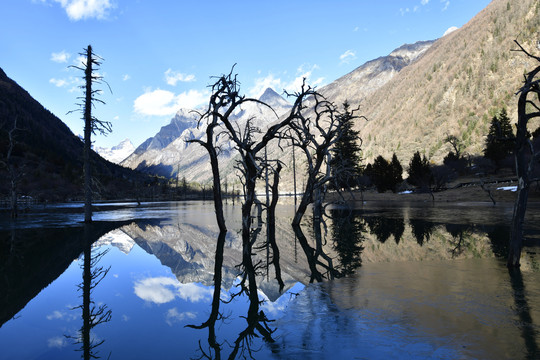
168	154
118	153
413	98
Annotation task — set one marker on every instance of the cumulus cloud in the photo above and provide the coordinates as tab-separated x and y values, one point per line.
162	102
263	83
424	2
161	290
60	57
173	77
347	56
450	30
126	77
86	9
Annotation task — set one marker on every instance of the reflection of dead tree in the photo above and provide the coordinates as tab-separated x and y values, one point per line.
312	256
524	145
92	314
272	226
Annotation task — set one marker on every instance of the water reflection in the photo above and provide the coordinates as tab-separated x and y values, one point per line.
389	282
92	314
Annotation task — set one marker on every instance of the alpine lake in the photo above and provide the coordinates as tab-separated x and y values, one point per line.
407	281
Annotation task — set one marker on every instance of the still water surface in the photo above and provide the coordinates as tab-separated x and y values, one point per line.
402	282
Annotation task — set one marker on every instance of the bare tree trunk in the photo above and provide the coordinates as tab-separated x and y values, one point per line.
271	225
523	170
87	137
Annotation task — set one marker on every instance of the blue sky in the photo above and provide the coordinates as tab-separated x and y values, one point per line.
159	55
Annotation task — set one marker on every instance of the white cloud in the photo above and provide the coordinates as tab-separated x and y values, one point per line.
58	82
276	83
261	84
424	2
446	4
404	11
55	315
173	316
193	292
162	102
60	57
86	9
347	56
450	30
173	77
126	77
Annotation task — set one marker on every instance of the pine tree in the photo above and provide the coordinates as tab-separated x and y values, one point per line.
396	172
345	163
419	171
500	139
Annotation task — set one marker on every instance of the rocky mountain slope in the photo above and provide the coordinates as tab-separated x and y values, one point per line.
455	88
177	157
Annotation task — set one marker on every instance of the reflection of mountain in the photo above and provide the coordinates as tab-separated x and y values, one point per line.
118	239
31	260
189	250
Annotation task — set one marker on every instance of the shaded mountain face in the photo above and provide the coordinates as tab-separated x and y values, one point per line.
47	156
190	160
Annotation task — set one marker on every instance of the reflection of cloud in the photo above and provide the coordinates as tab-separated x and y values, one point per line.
193	293
161	290
57	342
156	289
55	315
174	316
61	315
125	317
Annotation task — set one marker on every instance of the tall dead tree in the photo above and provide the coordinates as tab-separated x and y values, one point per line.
315	134
525	155
92	124
15	173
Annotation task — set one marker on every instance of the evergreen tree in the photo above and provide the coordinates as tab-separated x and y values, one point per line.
500	139
419	171
345	163
385	175
396	171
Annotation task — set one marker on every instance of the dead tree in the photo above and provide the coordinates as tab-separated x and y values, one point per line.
315	135
528	108
15	173
91	123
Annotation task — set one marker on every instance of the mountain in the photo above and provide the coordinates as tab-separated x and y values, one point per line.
184	119
190	160
47	156
372	75
454	88
117	153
